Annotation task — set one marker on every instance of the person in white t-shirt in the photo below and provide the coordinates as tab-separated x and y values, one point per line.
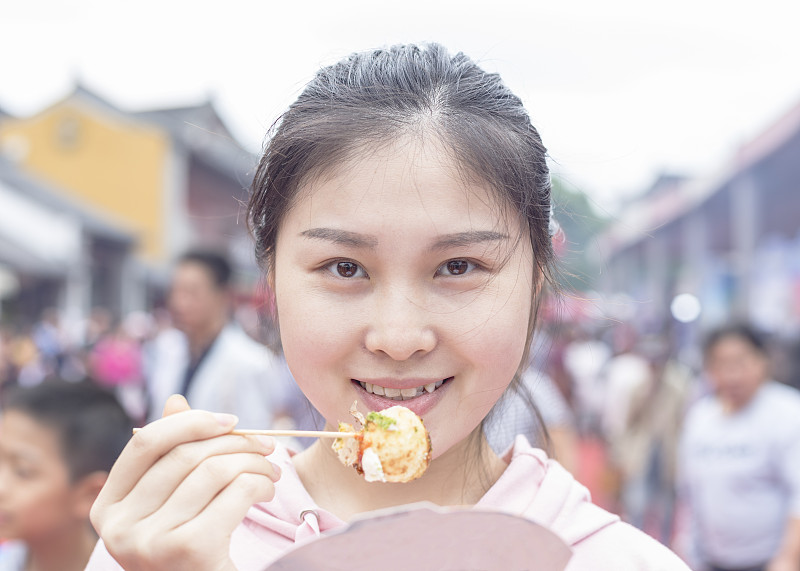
740	462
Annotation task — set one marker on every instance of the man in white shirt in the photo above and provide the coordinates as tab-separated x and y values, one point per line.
208	358
740	462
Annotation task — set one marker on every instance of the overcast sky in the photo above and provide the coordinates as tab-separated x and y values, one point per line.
619	89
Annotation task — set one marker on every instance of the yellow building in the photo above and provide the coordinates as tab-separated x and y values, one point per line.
171	178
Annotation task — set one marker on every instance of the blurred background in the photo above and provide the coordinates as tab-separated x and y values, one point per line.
129	133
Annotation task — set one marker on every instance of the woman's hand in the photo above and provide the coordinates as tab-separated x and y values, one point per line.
179	489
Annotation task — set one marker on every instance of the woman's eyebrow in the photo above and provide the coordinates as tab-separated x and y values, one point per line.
461	239
444	242
342	237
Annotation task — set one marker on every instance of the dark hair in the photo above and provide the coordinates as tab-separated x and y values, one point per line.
216	263
741	331
373	98
91	425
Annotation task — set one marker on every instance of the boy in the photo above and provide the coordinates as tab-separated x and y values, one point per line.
58	441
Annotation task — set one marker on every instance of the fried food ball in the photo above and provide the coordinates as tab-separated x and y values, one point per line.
393	446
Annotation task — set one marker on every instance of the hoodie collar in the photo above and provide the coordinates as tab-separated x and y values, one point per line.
540	489
533	486
293	514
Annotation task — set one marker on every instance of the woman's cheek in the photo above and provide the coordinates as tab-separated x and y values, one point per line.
315	332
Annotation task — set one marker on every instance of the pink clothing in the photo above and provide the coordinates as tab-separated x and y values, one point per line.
532	486
117	361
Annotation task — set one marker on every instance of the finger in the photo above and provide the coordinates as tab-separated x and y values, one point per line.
166	475
228	508
156	439
212	476
175	404
135	536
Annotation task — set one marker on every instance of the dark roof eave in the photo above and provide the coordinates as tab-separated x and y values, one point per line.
95	222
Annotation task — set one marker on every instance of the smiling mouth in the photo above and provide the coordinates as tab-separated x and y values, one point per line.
401	394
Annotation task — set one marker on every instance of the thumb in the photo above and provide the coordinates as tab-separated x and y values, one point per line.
175	404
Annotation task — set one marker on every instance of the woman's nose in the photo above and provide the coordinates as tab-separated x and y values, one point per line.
400	327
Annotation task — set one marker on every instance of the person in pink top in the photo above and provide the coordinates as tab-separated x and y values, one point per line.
401	212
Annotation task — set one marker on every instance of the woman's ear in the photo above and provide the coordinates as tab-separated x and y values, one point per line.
84	493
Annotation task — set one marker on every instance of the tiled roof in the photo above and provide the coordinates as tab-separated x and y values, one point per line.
196	128
201	131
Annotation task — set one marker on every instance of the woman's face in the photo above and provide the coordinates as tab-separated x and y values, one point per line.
736	370
398	283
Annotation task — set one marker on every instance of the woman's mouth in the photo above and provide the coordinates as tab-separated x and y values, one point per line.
401	394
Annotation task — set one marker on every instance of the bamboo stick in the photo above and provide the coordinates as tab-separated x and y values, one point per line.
298	433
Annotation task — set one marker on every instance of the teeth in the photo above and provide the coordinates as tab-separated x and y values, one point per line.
401	394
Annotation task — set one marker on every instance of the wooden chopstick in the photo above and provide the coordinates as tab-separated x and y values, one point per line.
299	433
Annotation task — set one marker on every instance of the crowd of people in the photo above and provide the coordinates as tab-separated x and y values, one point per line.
688	454
195	346
704	460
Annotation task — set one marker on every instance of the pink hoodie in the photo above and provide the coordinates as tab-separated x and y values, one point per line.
532	486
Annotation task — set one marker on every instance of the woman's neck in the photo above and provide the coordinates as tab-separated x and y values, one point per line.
66	550
458	477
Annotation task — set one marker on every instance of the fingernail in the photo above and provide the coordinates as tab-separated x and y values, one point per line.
225	419
277	473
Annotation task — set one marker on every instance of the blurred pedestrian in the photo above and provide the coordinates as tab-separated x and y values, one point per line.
644	453
50	341
115	362
208	358
625	372
537	408
549	424
58	441
7	373
584	357
27	365
740	461
99	324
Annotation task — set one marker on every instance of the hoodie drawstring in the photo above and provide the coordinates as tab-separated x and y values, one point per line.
309	526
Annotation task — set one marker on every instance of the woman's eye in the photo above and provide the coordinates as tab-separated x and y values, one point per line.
455	268
346	269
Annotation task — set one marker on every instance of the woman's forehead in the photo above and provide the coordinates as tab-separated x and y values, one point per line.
405	175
